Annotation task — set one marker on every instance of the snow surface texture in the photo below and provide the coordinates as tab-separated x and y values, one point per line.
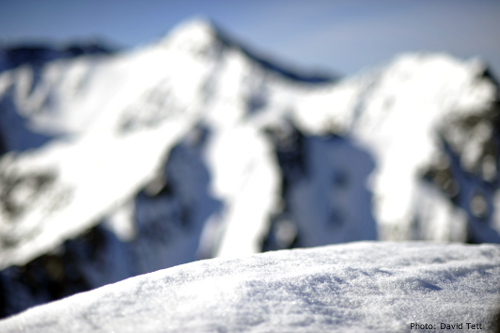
192	148
357	287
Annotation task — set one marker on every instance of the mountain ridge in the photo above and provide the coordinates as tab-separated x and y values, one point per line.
188	149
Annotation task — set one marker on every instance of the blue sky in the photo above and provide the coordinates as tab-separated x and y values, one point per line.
337	36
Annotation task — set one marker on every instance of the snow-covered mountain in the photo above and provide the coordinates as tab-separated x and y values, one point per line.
194	147
357	287
34	57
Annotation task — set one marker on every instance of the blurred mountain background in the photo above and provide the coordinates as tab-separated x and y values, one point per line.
256	126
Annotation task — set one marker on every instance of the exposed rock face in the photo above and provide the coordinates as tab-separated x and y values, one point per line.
193	147
357	287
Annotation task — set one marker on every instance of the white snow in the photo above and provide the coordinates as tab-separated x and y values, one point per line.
397	113
247	181
356	287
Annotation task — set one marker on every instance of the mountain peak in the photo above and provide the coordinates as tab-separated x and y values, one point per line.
200	35
197	31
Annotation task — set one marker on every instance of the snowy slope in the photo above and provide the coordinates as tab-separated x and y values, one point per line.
401	113
33	59
115	121
357	287
193	147
106	138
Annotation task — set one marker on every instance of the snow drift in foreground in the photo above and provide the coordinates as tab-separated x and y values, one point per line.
356	287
